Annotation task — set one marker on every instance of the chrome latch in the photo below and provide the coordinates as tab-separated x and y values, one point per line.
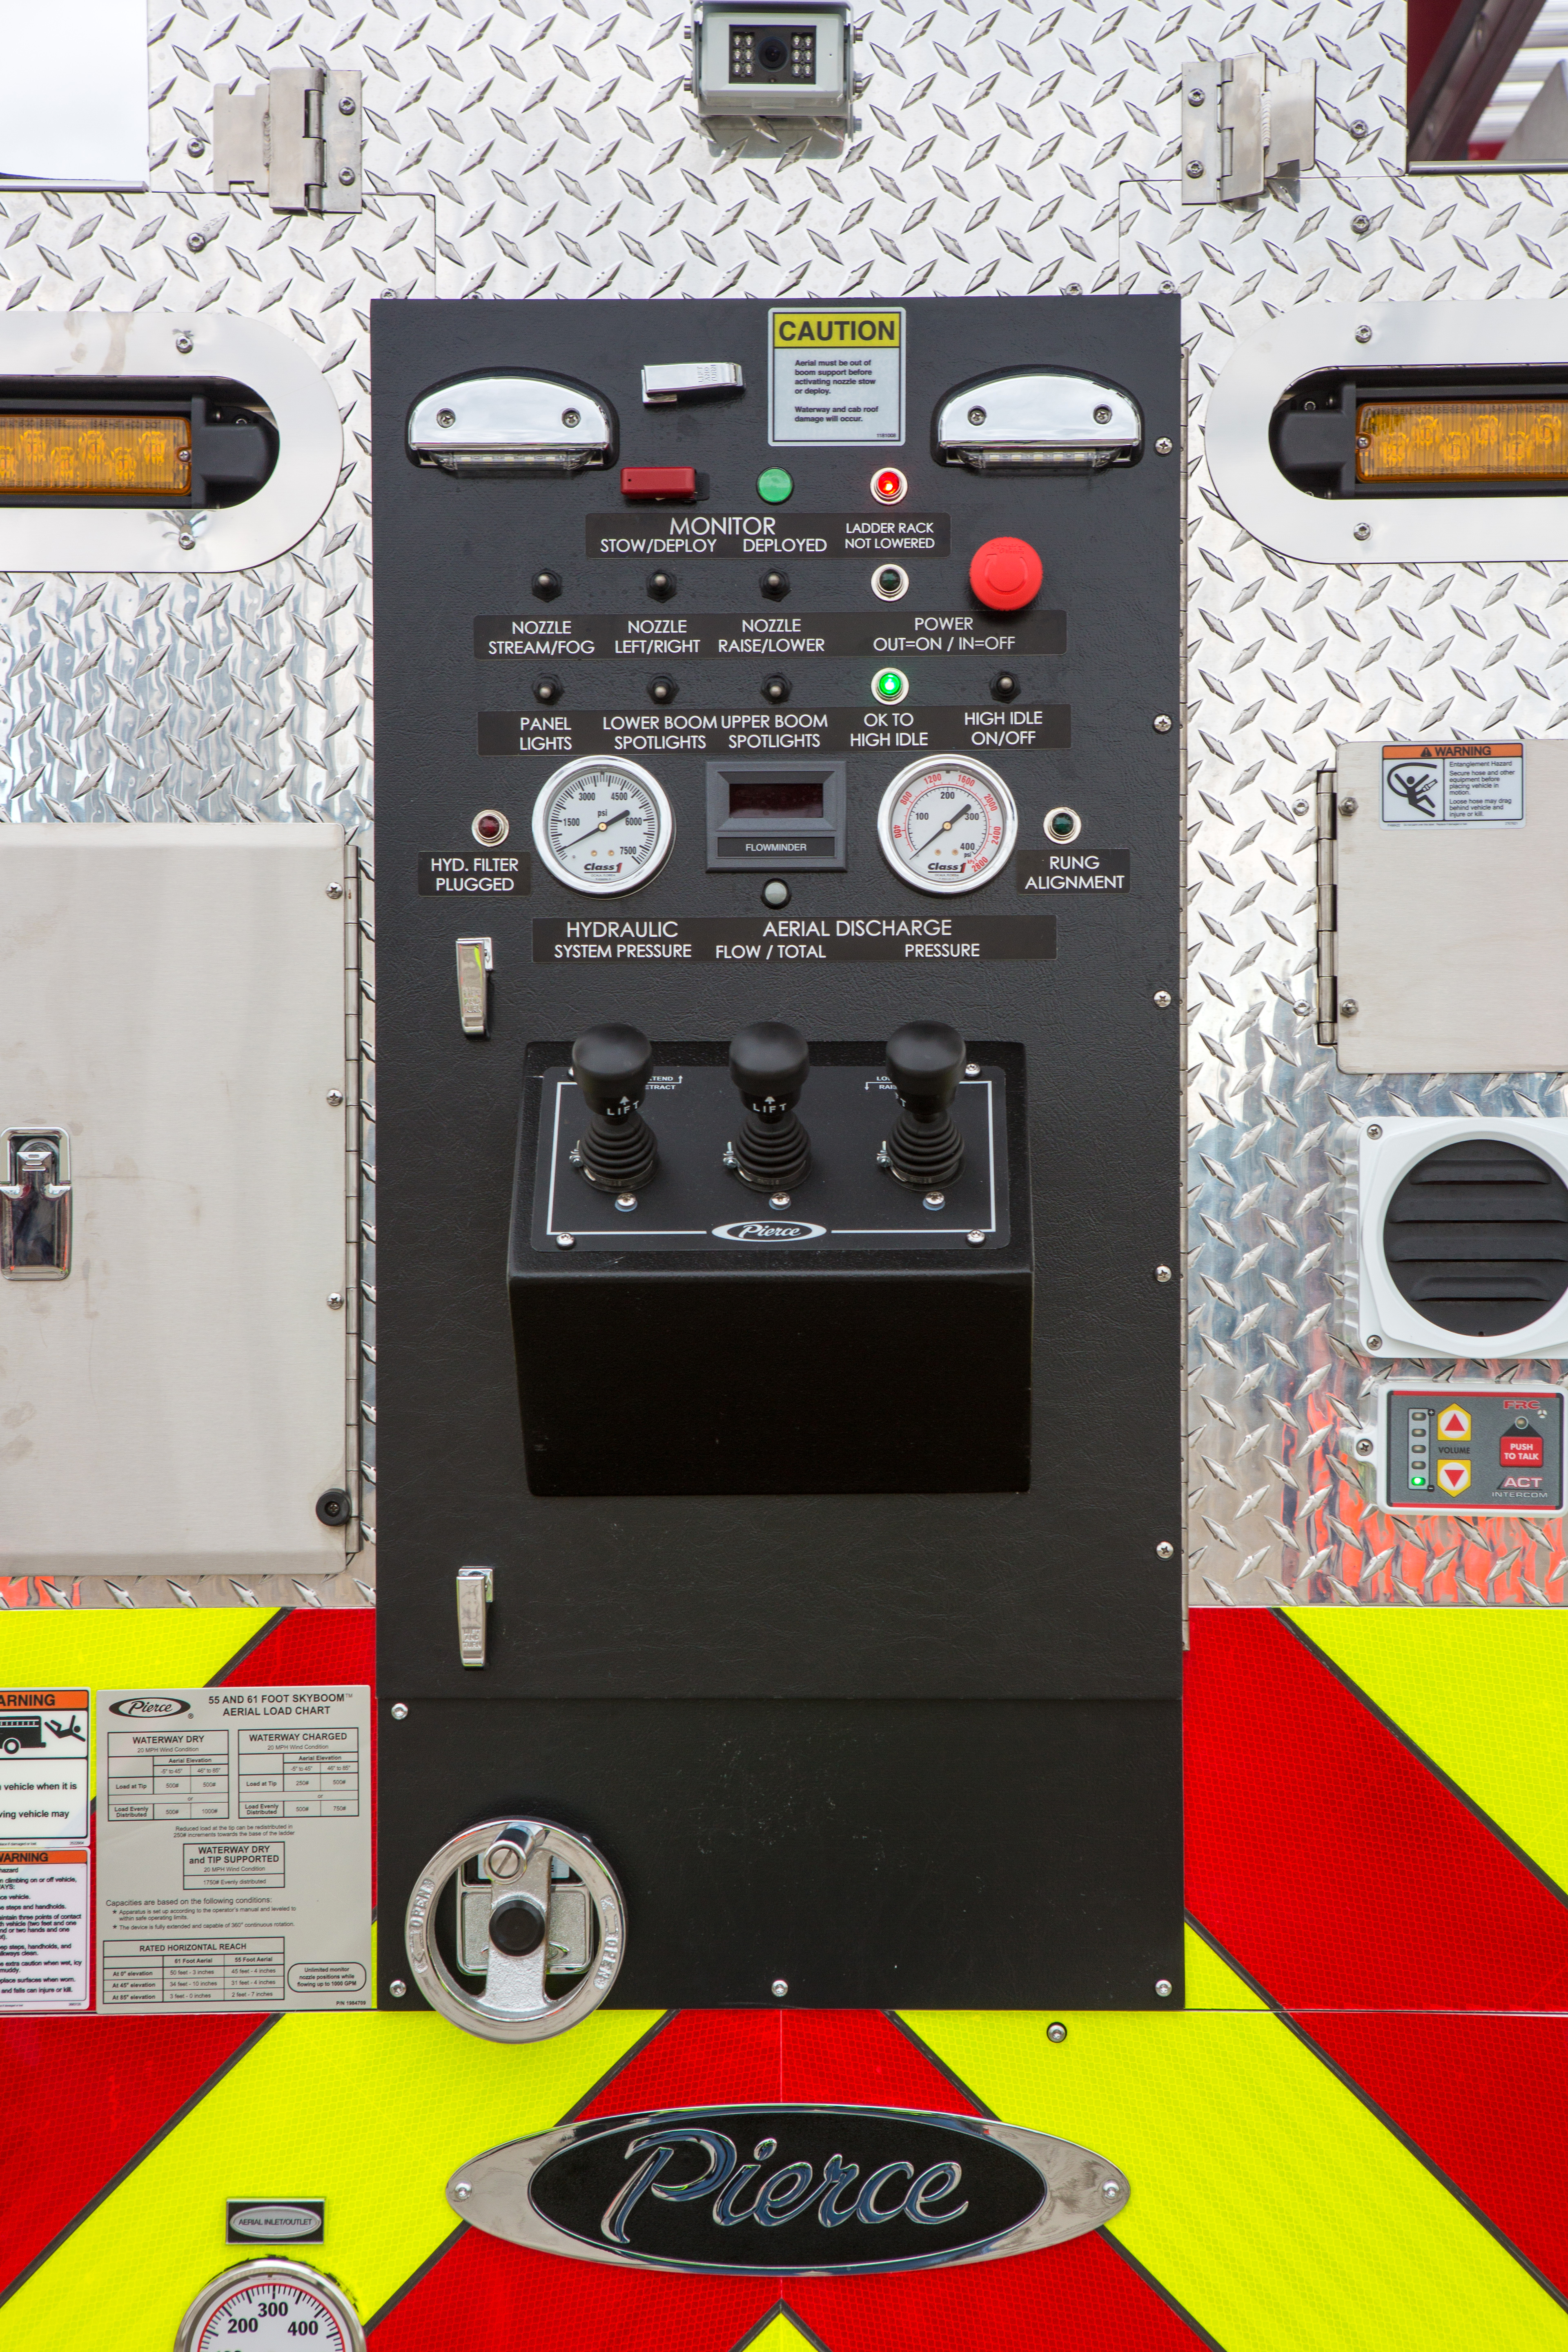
1039	420
476	1591
664	382
1244	121
296	140
36	1205
475	963
510	424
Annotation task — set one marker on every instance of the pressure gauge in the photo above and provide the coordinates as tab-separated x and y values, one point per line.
947	824
603	825
270	2306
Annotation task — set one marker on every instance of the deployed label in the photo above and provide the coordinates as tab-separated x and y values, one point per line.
44	1752
835	376
671	636
43	1929
770	531
950	727
1452	784
234	1849
803	939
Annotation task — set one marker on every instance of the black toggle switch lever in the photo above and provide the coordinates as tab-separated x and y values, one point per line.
770	1063
925	1062
617	1151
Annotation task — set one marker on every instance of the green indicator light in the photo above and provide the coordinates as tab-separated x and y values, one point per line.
1418	1482
773	485
889	685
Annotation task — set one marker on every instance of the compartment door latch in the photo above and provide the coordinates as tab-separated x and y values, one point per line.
34	1204
296	140
1244	121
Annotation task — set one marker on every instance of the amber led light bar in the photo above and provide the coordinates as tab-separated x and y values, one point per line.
1437	440
75	455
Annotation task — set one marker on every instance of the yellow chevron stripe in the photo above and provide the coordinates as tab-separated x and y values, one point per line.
374	2113
1210	1984
1266	2197
1479	1691
779	2334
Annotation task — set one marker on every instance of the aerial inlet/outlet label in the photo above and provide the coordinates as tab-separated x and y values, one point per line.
1452	784
835	376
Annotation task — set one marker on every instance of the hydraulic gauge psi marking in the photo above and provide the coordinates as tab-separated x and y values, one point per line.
270	2306
947	825
603	825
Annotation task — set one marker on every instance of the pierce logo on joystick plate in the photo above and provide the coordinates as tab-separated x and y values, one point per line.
772	1229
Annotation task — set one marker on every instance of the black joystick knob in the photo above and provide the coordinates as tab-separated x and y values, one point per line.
925	1062
770	1063
612	1065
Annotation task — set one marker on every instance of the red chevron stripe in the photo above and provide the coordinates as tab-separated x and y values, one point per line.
1334	1865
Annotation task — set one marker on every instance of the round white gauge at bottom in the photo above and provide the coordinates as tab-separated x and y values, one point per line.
270	2306
947	824
603	825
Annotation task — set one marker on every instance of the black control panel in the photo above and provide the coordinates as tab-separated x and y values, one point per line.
778	1191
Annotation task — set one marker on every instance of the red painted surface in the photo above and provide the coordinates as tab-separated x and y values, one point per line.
1425	24
658	482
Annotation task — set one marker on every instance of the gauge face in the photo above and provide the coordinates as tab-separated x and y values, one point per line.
271	2307
603	825
947	824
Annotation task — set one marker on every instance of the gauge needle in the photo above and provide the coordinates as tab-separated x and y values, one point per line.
947	823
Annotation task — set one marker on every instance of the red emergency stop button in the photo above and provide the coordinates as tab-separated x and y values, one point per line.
1526	1450
658	481
1005	574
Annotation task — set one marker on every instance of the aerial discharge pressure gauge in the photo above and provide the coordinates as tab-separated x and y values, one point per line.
270	2306
603	825
947	824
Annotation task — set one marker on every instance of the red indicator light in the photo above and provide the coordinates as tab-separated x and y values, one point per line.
658	481
889	486
1005	574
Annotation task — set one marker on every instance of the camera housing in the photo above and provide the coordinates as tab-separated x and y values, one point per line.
772	61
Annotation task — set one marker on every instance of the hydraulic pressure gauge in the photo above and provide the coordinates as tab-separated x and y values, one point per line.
947	824
270	2306
603	825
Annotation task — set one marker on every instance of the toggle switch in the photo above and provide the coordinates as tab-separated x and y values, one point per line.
474	966
658	481
1005	574
476	1591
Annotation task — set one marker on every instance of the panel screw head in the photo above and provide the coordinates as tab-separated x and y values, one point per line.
1348	1005
1347	807
397	1988
1163	1990
570	417
346	178
1363	1446
971	1069
778	1199
445	418
345	105
565	1241
1162	1274
335	1096
400	1713
976	1237
626	1200
197	241
1374	1341
1102	416
187	541
334	1298
1161	998
503	1860
1163	446
1363	334
1164	1552
780	1988
334	889
1363	531
462	2190
196	147
935	1201
1299	808
1358	129
1194	170
1162	725
1057	2032
1196	96
977	416
1360	225
1375	1132
184	343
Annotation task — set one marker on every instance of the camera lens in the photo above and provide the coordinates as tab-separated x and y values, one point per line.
771	52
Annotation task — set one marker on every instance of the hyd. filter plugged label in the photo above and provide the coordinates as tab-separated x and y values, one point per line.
835	376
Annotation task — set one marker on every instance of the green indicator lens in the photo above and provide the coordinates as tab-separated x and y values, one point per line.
774	486
889	685
1418	1482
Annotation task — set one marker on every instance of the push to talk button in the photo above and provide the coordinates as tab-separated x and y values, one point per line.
1005	574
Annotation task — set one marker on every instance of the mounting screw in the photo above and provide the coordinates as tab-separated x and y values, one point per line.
400	1713
1161	998
1375	1132
335	1096
625	1202
197	241
334	889
974	1237
503	1860
1194	170
445	418
971	1069
1109	2189
1102	416
184	343
334	1298
1360	225
345	105
397	1988
1162	1274
1348	1006
1164	1988
1299	808
187	541
1196	96
778	1199
197	147
1057	2032
565	1241
1363	531
462	2191
571	418
346	178
1358	129
1162	725
1347	807
935	1201
1163	446
1164	1552
1374	1341
1363	1446
780	1988
977	416
335	1508
1363	334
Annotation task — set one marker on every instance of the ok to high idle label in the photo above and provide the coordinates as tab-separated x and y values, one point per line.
835	376
1452	784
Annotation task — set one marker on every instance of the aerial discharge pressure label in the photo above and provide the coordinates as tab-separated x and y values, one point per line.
835	376
1452	784
234	1849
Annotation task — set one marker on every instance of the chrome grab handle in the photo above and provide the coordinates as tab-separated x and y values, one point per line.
36	1204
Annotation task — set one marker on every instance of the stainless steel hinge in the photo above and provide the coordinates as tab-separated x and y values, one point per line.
1328	909
1244	121
296	140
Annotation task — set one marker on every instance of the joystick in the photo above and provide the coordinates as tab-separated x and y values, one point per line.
770	1063
617	1151
925	1062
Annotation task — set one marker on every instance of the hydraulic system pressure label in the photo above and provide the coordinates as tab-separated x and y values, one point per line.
1452	784
805	939
43	1929
234	1849
44	1755
952	726
835	376
693	531
708	636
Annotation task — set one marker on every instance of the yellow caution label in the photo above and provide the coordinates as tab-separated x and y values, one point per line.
795	329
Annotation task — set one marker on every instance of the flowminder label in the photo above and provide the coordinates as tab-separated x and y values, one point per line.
1452	784
835	376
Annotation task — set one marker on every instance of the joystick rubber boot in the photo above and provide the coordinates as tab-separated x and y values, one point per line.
616	1152
925	1062
770	1063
